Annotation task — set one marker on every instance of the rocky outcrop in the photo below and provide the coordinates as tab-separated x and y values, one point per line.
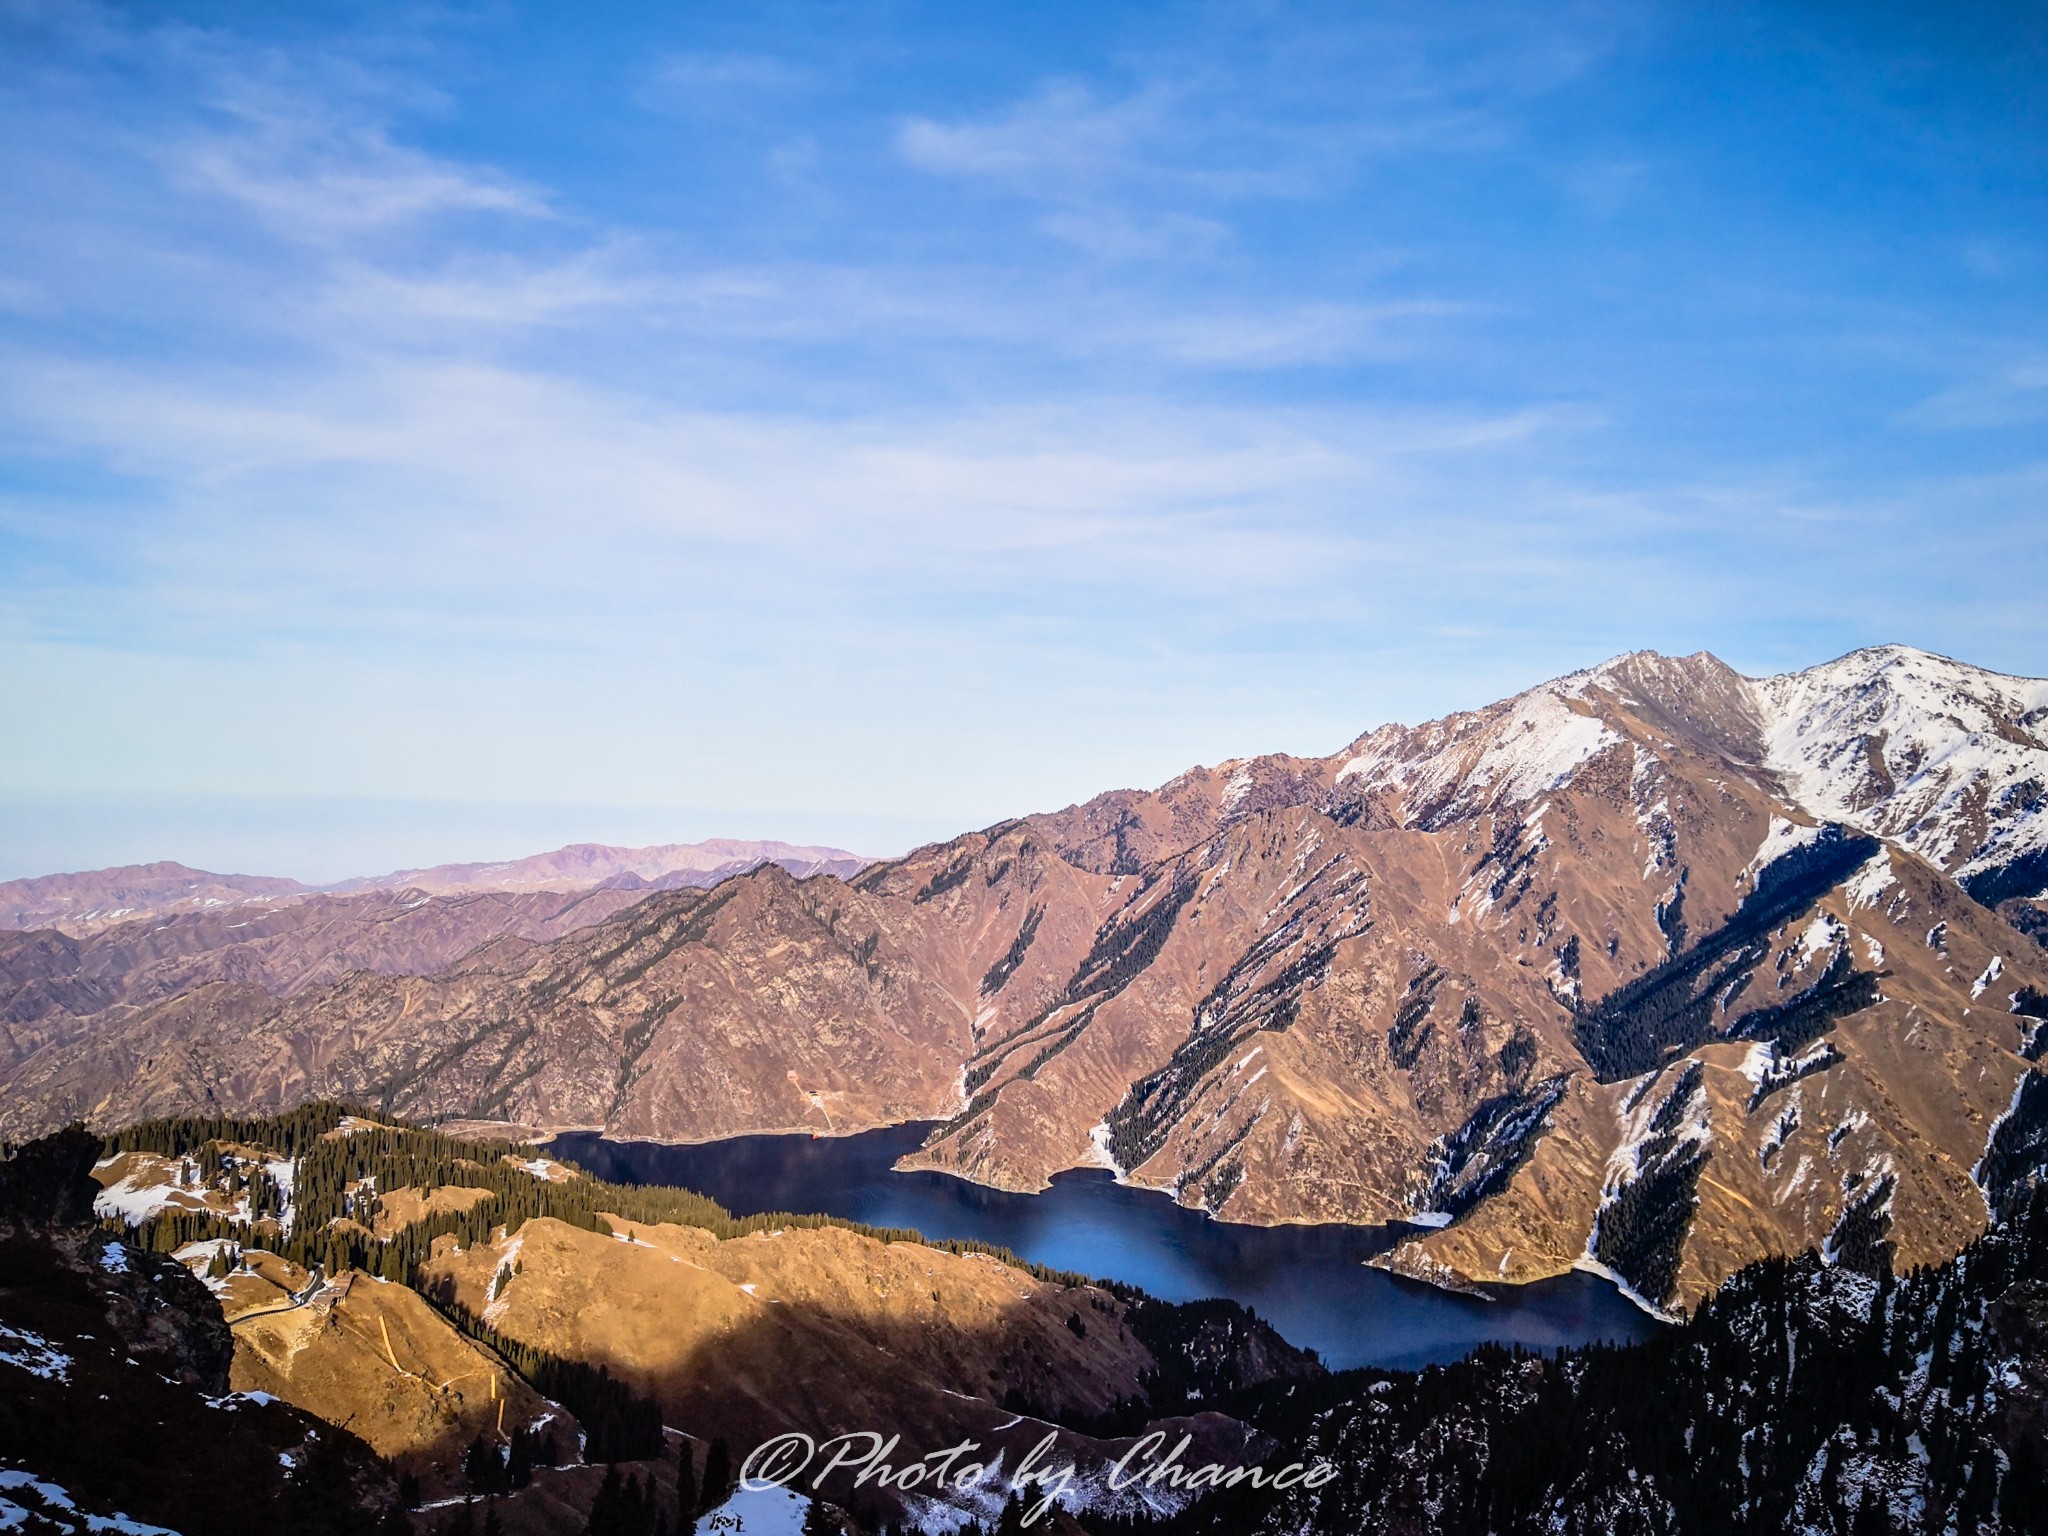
115	1399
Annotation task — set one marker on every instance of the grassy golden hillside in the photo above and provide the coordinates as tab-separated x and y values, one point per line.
490	1320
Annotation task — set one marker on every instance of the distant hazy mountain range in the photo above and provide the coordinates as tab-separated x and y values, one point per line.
581	866
1655	968
102	898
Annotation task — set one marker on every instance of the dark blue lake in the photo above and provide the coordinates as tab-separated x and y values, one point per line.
1311	1283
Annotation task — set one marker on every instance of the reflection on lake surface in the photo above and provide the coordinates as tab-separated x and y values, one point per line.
1311	1283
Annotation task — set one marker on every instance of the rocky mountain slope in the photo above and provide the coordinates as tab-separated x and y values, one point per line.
278	938
1654	968
1805	1398
283	948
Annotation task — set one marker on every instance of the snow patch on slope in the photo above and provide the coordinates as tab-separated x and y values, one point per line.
1821	937
1870	881
1506	755
757	1512
1638	1119
135	1203
23	1494
1780	838
33	1353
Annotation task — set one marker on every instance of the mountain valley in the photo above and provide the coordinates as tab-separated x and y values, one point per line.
1732	991
1655	969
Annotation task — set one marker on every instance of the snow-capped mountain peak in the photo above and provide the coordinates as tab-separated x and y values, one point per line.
1508	753
1948	759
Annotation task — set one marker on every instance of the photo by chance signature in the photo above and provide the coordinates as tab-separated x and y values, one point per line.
783	1461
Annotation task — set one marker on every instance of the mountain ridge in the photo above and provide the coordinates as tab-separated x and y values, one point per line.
580	866
84	902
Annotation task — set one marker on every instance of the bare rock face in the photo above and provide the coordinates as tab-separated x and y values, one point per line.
1655	968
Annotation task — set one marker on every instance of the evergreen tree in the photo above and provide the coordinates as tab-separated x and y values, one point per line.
607	1511
1011	1521
686	1481
717	1475
483	1466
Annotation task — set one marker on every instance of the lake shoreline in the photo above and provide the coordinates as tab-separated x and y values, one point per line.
1317	1283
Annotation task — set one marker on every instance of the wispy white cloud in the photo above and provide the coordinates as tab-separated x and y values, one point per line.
430	460
690	74
322	187
303	143
2007	394
1063	138
1086	157
311	152
1259	106
354	466
495	291
1289	337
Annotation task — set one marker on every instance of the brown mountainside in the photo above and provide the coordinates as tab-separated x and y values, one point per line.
53	986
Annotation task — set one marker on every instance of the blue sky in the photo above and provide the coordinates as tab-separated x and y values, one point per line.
445	431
